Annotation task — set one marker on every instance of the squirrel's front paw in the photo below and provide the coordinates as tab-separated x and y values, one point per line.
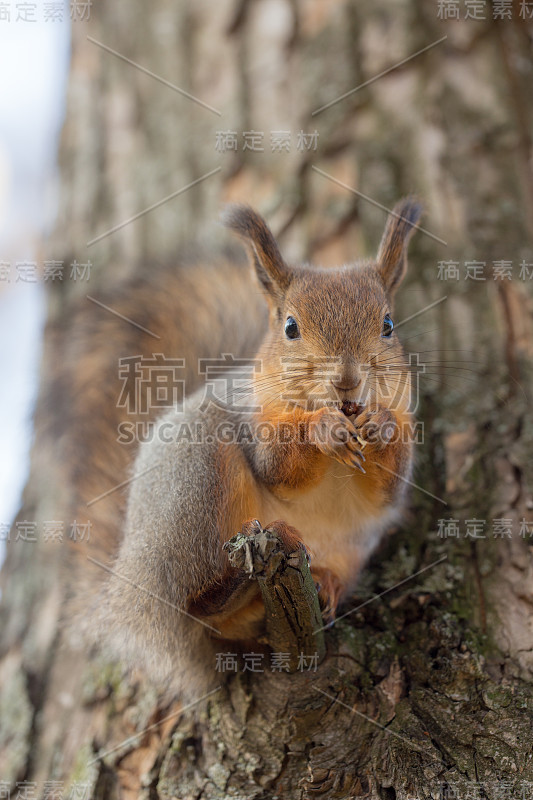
289	537
376	426
335	435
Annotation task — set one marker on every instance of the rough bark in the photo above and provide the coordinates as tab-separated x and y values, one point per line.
426	685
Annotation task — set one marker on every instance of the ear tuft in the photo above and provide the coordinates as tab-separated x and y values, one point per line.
392	253
271	269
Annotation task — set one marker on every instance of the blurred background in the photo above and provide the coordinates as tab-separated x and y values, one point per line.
34	60
124	127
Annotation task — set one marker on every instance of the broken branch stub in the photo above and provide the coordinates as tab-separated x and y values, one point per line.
292	612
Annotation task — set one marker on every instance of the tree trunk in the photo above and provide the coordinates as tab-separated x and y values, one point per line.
425	691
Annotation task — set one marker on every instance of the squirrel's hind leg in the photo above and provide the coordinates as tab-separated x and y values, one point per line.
233	604
329	589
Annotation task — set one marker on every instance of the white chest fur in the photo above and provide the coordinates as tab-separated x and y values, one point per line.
335	519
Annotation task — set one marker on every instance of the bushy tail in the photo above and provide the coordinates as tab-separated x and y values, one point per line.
199	309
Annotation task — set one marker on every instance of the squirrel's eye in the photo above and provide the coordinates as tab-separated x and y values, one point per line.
291	328
388	326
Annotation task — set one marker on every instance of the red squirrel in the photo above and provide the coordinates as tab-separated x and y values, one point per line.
334	481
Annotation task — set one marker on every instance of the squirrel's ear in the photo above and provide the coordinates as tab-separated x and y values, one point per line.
271	269
392	253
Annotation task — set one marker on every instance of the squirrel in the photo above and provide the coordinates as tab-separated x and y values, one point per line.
330	387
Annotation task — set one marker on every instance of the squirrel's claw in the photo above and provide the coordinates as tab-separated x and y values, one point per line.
354	449
358	466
